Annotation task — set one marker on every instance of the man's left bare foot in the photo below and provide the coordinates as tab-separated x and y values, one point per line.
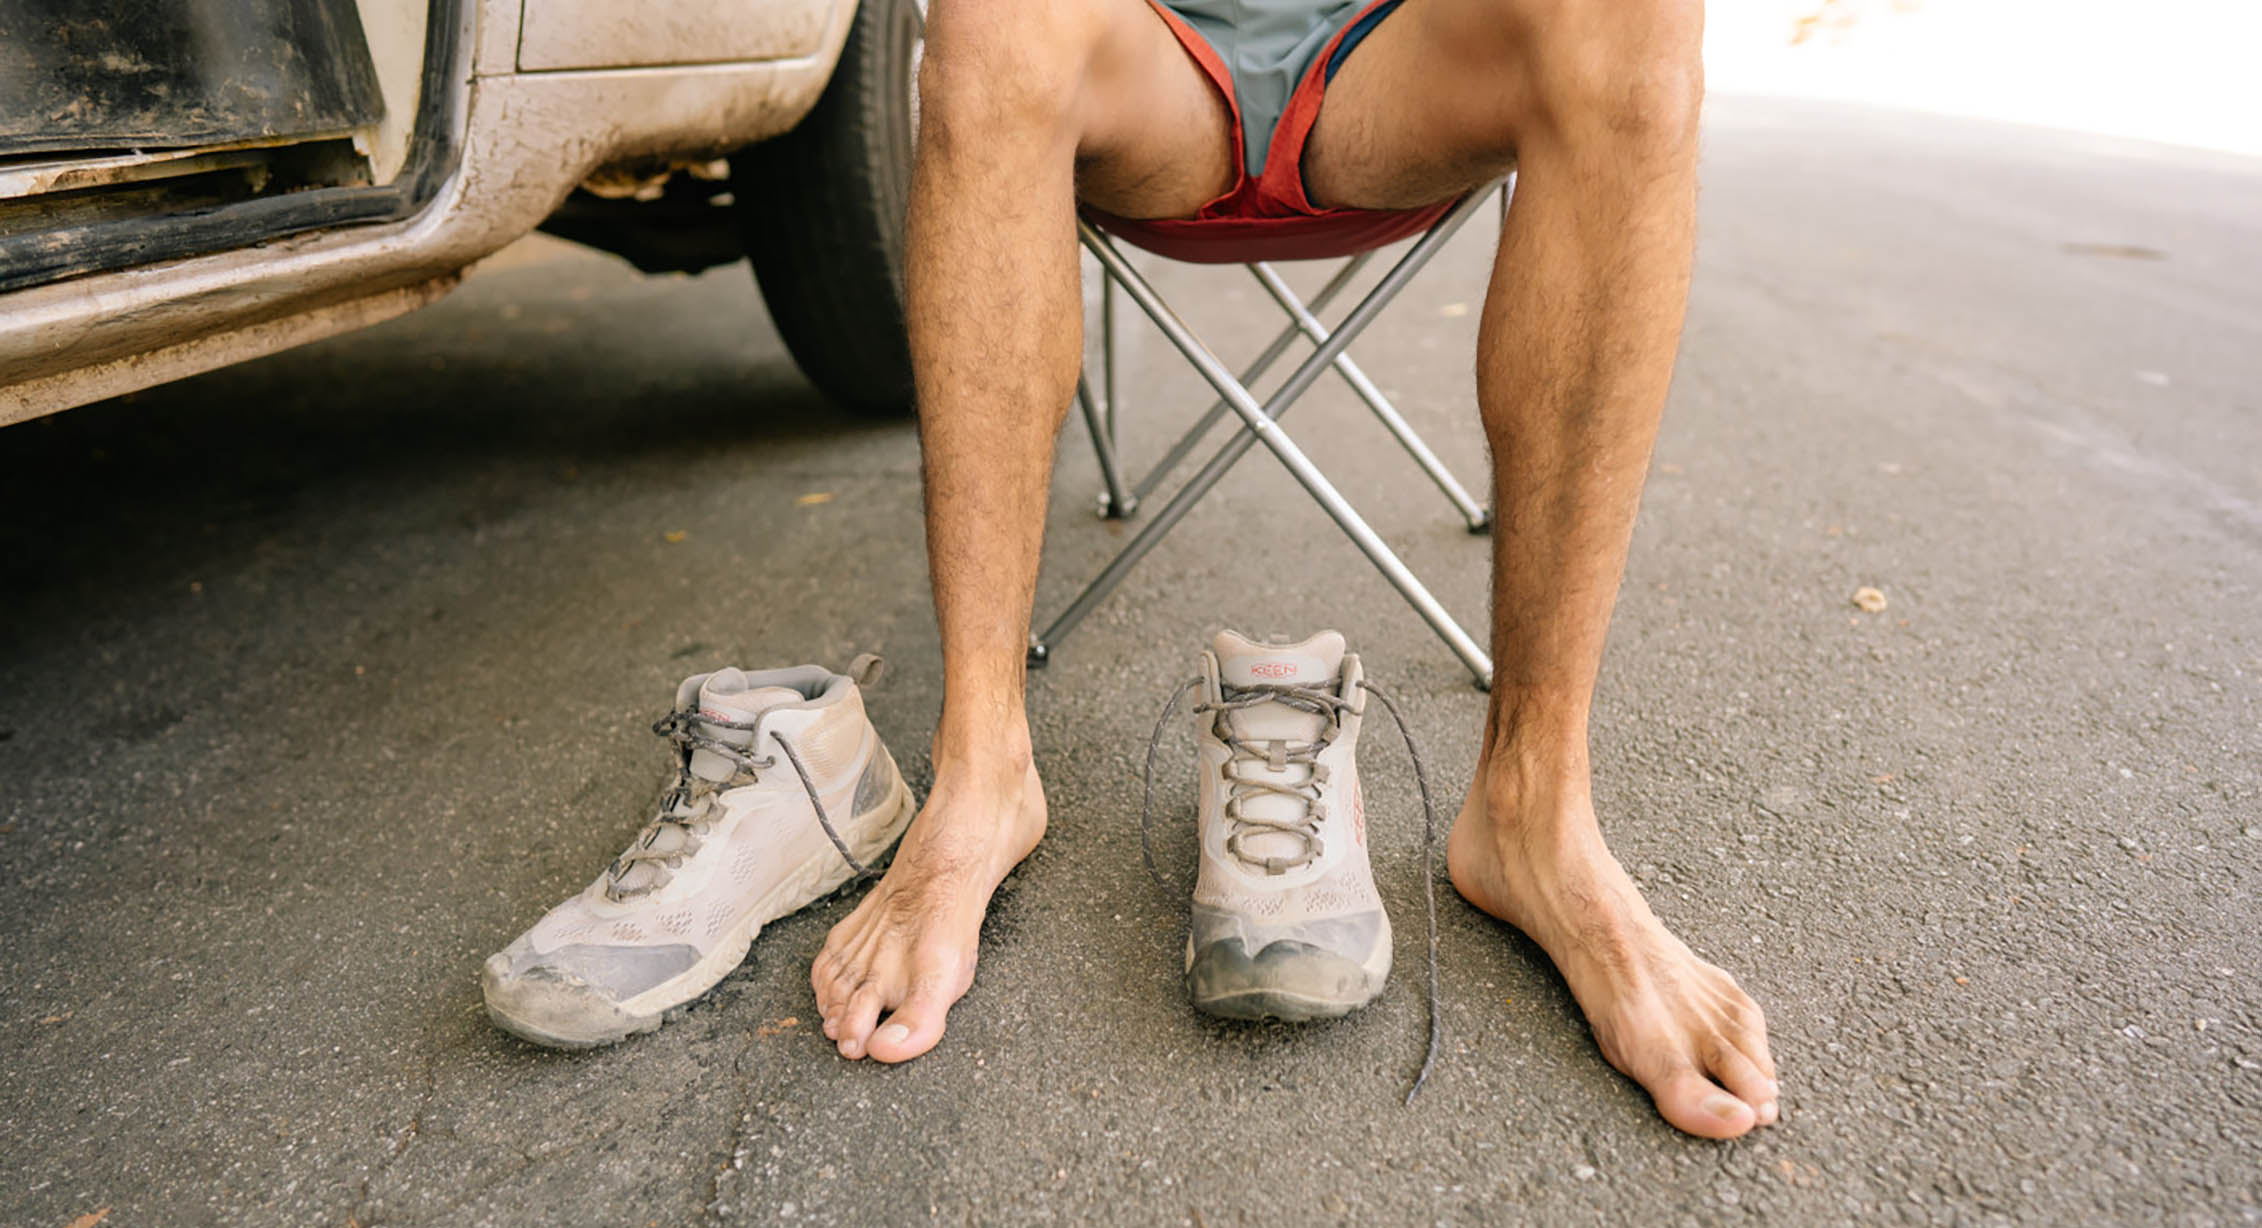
1677	1025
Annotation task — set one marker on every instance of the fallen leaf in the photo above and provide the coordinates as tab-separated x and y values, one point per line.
90	1219
1870	599
1963	980
2115	251
675	535
58	1018
815	497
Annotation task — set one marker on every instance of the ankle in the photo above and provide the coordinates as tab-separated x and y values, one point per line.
992	751
1530	805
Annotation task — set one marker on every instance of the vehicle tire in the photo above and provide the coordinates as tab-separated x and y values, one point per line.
821	210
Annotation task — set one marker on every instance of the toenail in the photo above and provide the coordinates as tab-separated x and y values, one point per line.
1722	1105
894	1034
1768	1112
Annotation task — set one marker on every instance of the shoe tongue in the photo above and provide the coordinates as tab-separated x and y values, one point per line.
1242	661
727	696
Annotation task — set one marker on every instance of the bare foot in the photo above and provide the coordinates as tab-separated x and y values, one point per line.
1665	1018
908	950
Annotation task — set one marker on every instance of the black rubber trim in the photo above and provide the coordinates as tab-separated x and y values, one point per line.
435	149
821	211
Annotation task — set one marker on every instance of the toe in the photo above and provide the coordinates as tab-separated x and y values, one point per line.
821	982
854	1026
1697	1105
916	1025
1744	1077
1749	1034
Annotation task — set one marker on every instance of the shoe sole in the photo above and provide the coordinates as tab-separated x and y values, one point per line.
1286	981
572	1018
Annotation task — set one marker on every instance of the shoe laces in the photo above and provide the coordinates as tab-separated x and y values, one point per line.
1276	753
687	810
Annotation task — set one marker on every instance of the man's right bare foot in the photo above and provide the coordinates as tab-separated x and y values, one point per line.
908	951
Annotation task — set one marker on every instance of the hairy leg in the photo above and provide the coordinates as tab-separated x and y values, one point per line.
1020	101
1596	105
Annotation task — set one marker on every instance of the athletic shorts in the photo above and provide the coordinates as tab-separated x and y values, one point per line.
1271	60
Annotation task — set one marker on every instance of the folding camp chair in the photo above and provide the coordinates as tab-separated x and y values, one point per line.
1261	422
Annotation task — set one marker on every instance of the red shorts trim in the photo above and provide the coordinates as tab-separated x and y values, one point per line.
1268	217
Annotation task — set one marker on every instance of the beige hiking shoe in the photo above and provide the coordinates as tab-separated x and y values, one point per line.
783	793
1286	923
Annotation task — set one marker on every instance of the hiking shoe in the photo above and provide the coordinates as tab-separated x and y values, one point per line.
1286	923
783	792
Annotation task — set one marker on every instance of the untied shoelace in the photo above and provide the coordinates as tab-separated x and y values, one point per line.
690	730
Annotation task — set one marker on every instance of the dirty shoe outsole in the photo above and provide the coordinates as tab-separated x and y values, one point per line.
1288	981
561	1013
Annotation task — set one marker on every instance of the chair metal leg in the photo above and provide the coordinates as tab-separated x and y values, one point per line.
1116	503
1261	426
1267	431
1110	401
1249	375
1472	513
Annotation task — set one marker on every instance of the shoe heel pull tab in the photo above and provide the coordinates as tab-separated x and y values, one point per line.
867	668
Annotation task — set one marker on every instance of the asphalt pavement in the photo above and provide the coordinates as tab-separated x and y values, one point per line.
323	676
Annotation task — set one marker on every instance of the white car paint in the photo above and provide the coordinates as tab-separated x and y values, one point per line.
529	136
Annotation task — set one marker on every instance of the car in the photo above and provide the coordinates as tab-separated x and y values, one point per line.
189	185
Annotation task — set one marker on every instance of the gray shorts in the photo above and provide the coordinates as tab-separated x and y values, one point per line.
1268	46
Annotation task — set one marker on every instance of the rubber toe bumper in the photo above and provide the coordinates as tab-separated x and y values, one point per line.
1293	981
555	1009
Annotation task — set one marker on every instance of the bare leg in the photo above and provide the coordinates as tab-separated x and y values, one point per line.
1019	102
1597	104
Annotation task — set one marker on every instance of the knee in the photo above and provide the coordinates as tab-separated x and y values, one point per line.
1628	71
1001	65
